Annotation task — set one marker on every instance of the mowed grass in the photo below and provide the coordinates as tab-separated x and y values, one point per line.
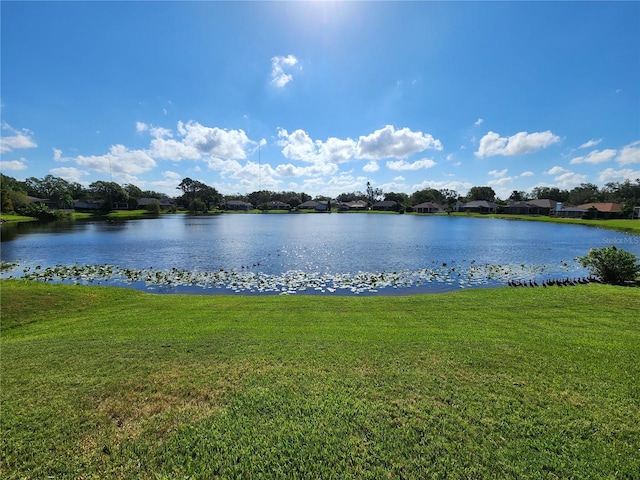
489	383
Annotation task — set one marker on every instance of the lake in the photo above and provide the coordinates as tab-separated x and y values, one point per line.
345	253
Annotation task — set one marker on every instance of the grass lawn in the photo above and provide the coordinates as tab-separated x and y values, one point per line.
101	382
7	217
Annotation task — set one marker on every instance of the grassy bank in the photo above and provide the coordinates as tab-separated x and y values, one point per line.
500	383
624	225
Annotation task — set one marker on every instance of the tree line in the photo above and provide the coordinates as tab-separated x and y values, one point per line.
196	196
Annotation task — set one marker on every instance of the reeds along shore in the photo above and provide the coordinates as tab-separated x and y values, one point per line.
554	282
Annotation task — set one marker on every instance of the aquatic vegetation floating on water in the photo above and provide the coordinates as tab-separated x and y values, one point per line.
448	276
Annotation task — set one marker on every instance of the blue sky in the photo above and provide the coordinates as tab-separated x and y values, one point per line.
322	97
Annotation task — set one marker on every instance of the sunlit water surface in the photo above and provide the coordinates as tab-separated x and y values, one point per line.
303	253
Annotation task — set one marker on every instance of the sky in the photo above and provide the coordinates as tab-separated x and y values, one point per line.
322	97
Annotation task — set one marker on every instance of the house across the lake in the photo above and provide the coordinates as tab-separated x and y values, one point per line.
385	205
238	205
478	206
429	207
542	206
354	205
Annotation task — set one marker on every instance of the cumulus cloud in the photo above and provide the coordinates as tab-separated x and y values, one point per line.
401	165
12	165
566	178
629	154
527	174
500	181
391	143
590	143
298	145
279	78
611	175
458	186
371	167
18	139
214	141
496	173
523	142
596	156
120	161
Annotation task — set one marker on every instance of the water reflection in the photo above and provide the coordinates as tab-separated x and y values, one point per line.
307	253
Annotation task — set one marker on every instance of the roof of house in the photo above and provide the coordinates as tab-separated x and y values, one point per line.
604	207
308	204
543	203
480	204
429	205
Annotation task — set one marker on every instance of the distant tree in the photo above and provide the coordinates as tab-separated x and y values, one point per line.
133	191
481	193
373	194
585	193
50	187
428	195
450	196
518	196
551	193
109	192
402	200
154	207
352	197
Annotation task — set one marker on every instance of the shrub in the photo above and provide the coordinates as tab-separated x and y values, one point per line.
611	265
154	207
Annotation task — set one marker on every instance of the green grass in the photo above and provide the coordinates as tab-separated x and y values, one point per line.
490	383
8	217
623	225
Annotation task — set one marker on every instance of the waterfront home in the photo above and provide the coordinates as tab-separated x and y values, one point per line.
354	205
542	206
308	205
604	210
384	205
479	206
238	205
429	207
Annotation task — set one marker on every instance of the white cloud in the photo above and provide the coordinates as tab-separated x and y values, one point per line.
402	165
611	175
215	141
173	150
57	154
169	175
460	187
527	174
141	127
278	65
12	165
520	143
18	140
299	146
500	181
120	162
371	167
596	156
556	170
391	143
590	143
496	173
566	178
629	154
479	122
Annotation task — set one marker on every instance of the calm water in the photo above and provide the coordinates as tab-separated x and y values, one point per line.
419	253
